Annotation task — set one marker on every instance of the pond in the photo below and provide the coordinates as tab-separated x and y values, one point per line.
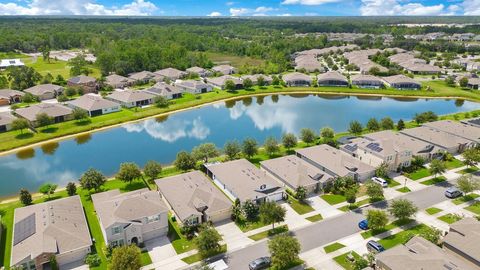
161	138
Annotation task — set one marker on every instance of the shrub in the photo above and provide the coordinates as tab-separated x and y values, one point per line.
93	260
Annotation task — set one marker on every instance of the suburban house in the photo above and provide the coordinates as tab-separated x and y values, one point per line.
240	179
132	217
6	119
295	172
5	63
171	73
142	77
199	71
463	239
374	152
131	98
474	83
418	147
336	162
419	253
332	78
57	112
219	82
86	83
94	105
446	141
308	63
297	79
225	69
402	82
55	228
165	90
459	129
9	96
194	86
367	81
45	91
194	198
117	81
361	60
254	78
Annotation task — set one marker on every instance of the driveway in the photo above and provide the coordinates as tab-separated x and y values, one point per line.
5	108
232	235
160	249
292	218
78	265
323	208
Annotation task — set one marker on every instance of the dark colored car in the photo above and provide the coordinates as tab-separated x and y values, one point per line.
363	224
260	263
453	193
374	247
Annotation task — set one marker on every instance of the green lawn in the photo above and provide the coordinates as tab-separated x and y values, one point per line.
145	257
475	208
418	174
332	247
179	242
433	181
391	226
333	199
197	257
404	189
433	210
449	218
246	226
465	198
468	170
400	238
392	183
354	206
454	163
236	61
299	207
269	233
315	218
344	262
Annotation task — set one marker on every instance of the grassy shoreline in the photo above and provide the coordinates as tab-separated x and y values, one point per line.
14	141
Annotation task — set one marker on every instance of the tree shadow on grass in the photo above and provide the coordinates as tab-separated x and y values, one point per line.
133	186
83	122
23	136
50	130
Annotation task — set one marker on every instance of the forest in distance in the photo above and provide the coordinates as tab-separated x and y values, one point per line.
126	45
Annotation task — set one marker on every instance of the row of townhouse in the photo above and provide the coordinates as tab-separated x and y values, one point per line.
409	62
335	78
460	249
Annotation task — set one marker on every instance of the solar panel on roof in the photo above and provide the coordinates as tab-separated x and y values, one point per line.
350	147
375	147
24	229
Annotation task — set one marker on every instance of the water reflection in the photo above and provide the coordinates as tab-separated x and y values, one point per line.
459	102
26	153
49	148
368	98
171	131
275	98
406	99
84	138
162	118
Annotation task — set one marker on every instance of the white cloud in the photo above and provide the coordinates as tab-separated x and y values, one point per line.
285	15
471	7
239	11
230	3
259	11
215	14
77	7
393	7
309	2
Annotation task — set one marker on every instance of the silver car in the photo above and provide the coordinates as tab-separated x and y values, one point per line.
260	263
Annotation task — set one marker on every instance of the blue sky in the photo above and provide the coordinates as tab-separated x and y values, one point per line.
240	8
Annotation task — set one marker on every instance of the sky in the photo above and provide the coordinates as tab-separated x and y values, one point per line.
240	8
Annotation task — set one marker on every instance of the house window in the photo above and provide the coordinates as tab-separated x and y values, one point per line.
154	218
117	243
116	230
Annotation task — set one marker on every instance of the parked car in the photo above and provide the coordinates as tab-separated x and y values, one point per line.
374	247
260	263
363	224
382	182
453	192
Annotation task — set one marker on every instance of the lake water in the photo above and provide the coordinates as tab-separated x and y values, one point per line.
160	139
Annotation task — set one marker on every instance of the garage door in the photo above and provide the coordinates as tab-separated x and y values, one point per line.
71	257
276	197
155	233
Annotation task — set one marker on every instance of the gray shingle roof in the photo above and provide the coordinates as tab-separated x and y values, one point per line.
51	109
41	89
188	192
92	103
128	96
6	118
82	79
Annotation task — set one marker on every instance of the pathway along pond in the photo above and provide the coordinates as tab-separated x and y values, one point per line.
161	138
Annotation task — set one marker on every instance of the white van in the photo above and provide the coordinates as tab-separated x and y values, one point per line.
380	181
